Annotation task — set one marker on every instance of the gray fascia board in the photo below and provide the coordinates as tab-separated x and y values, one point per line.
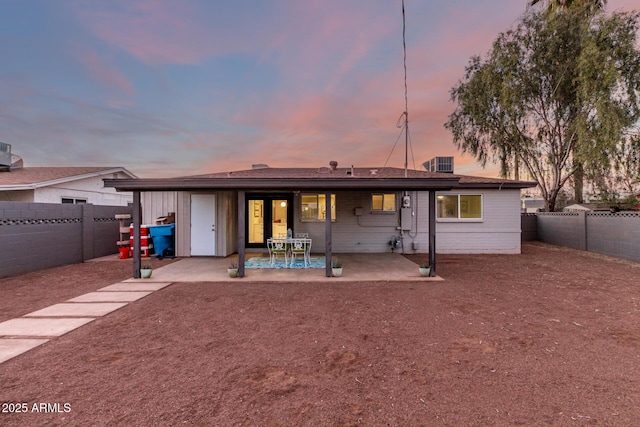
280	184
496	186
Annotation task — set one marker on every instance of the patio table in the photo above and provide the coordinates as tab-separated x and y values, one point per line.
289	247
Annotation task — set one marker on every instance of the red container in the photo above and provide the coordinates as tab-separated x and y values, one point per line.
124	252
144	230
145	241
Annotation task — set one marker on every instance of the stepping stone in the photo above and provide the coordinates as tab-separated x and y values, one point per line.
135	286
110	297
41	327
10	348
95	309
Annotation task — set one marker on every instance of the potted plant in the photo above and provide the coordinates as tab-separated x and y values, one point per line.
233	270
424	269
336	267
145	271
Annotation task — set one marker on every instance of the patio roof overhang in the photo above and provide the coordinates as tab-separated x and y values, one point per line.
282	184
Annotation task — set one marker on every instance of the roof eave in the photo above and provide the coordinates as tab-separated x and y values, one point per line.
18	187
506	185
280	184
63	180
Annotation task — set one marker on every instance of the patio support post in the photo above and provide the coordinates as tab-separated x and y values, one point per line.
327	233
432	232
137	219
241	227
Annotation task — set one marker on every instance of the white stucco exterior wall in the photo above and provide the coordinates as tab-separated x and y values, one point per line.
499	232
92	189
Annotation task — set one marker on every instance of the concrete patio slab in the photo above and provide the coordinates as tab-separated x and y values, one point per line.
94	309
137	286
385	267
110	297
31	327
12	347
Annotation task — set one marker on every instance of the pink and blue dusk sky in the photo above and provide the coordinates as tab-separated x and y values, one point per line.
172	88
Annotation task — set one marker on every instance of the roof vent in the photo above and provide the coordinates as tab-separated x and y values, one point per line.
333	164
259	166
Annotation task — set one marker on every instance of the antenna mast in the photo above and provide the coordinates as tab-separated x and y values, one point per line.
406	101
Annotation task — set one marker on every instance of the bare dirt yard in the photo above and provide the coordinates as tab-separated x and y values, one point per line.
549	337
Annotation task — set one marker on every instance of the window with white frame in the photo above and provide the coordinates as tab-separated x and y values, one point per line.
459	206
71	200
383	202
314	207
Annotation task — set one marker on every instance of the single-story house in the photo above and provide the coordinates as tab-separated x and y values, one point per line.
341	209
531	205
601	207
64	185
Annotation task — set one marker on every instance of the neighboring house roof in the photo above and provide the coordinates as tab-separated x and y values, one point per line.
30	178
317	178
534	203
577	207
594	207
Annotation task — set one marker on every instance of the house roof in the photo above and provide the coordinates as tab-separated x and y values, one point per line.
29	178
266	178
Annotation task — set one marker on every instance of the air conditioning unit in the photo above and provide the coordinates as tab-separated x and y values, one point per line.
439	164
5	155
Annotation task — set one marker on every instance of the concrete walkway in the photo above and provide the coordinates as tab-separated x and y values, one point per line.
22	334
34	329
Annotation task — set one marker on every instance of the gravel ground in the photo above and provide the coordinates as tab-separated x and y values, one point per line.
549	337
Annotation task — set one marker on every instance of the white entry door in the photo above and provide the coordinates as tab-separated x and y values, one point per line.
203	224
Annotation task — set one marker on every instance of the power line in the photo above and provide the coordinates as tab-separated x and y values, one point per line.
403	120
406	97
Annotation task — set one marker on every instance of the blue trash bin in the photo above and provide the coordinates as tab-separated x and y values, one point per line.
163	238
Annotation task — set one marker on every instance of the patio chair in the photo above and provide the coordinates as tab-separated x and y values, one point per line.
301	247
278	247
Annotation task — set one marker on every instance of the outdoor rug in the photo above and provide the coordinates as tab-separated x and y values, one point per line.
263	262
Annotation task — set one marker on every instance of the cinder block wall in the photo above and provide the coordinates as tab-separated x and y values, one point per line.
36	236
562	229
529	224
614	234
101	230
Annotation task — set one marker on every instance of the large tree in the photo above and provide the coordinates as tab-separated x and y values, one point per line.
585	10
620	183
552	95
554	6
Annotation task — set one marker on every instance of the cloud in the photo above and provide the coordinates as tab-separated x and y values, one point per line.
108	75
153	31
353	111
47	128
203	86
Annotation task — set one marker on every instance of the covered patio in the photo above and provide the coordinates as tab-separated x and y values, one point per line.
323	182
386	267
